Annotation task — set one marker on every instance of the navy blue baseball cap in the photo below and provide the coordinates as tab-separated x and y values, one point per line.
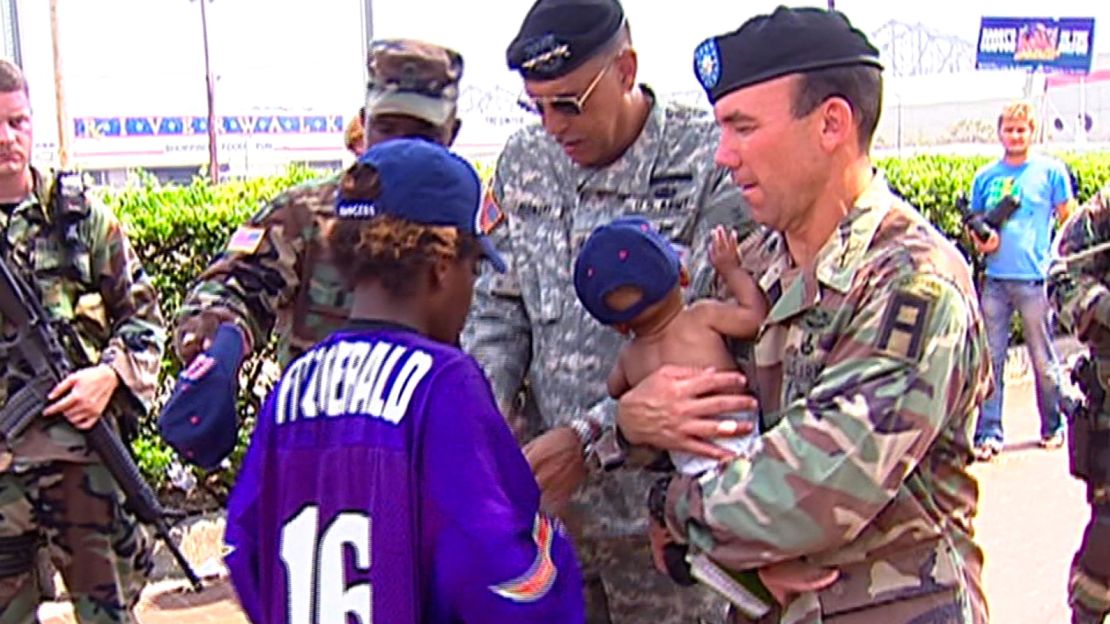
625	252
426	183
199	421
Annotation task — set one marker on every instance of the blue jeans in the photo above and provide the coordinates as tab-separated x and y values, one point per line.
999	299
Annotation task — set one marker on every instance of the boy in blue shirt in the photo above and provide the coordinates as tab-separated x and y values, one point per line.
1016	261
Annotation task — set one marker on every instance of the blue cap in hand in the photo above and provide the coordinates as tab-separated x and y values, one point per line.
200	421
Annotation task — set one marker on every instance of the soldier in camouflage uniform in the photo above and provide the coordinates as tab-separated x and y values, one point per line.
872	363
53	491
276	270
1079	285
611	150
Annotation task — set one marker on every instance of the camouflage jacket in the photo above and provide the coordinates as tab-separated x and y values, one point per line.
276	272
99	287
528	325
1079	279
870	369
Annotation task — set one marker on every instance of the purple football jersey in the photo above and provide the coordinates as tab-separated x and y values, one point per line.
382	484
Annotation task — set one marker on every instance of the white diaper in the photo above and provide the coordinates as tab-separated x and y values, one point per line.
690	464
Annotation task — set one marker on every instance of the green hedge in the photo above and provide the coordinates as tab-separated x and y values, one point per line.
932	182
176	230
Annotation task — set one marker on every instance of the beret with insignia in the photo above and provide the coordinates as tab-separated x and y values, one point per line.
558	36
785	42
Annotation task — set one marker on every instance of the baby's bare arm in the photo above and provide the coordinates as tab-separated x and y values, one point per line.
728	318
618	381
726	260
747	292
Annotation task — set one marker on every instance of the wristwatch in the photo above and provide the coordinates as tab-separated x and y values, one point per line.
587	431
657	499
610	449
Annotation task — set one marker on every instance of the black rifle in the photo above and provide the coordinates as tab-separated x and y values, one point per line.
46	363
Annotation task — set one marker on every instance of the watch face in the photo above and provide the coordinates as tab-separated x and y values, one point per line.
608	450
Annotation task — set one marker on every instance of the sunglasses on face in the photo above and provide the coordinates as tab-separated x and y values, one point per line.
562	104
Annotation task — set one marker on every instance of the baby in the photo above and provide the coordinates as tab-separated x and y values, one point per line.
629	277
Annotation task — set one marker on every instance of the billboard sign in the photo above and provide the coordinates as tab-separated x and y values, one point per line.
1063	45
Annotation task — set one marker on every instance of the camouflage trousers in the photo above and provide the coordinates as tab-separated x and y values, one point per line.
103	554
622	586
1089	590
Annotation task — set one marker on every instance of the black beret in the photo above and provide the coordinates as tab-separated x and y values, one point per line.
558	36
784	42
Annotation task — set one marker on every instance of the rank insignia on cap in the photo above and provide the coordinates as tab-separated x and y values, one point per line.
540	576
545	53
707	63
246	239
489	213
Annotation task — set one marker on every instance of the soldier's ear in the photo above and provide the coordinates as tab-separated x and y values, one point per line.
627	64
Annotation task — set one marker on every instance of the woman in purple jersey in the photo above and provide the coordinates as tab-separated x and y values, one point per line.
381	483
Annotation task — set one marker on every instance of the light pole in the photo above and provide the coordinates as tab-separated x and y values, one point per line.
59	90
210	85
367	31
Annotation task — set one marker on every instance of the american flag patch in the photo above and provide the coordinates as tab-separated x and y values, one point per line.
246	239
489	213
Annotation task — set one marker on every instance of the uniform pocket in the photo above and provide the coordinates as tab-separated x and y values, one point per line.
917	584
60	281
328	293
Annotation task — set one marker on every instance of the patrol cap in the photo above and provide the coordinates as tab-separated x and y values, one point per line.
199	421
426	183
784	42
626	252
413	78
558	36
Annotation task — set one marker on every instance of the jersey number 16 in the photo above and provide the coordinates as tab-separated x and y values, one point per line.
315	567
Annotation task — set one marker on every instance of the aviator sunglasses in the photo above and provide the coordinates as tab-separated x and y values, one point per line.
562	104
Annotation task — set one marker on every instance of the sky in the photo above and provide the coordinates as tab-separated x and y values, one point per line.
292	48
146	56
665	33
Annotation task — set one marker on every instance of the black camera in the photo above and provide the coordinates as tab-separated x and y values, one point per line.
983	224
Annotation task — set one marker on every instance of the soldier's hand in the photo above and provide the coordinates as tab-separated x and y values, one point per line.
985	247
82	396
558	463
787	579
678	408
194	334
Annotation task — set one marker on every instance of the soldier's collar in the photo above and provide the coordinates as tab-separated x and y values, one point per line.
631	173
841	256
36	201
